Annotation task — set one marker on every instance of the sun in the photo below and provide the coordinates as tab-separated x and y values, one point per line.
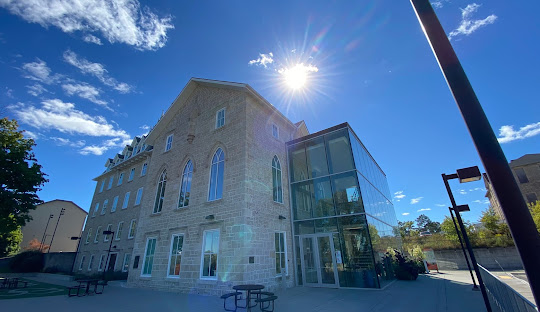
296	77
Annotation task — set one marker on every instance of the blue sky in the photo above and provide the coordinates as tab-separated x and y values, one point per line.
84	78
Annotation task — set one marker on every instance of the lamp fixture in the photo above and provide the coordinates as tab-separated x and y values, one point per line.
281	217
210	217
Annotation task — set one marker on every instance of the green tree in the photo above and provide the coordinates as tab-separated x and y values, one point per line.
491	221
405	228
424	223
534	208
10	242
20	179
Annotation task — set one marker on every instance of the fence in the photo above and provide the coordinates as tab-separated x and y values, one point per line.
502	297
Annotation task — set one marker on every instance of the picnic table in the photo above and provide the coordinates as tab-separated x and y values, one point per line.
88	283
248	288
6	282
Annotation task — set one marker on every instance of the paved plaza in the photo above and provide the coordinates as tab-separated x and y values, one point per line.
430	293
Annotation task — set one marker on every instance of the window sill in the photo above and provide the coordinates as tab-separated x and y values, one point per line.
213	201
146	276
155	214
207	281
173	277
275	202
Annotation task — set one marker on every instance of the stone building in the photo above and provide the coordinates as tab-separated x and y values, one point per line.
216	209
49	219
526	170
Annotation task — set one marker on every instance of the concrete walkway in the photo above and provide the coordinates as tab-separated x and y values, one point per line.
430	293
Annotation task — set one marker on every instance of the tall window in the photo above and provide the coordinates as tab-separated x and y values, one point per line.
106	237
96	208
132	226
149	256
160	194
101	265
522	177
210	254
110	183
88	235
168	144
90	263
82	262
102	186
185	187
120	179
125	263
98	231
114	204
216	175
220	118
175	256
126	200
276	180
139	196
131	174
119	229
275	131
281	252
143	170
104	208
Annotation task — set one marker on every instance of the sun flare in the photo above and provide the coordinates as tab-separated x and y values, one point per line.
297	76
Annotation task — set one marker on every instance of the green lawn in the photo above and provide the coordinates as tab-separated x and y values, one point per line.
34	289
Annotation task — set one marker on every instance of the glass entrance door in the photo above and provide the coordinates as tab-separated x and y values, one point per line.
318	260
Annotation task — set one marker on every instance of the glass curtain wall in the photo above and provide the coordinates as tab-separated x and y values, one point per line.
338	189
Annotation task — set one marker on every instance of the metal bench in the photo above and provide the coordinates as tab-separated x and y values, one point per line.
269	300
228	295
102	284
78	288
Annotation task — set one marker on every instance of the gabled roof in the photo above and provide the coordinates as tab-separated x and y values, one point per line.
192	84
67	201
524	160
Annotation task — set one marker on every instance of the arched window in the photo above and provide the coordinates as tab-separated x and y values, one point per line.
216	175
185	187
276	180
160	195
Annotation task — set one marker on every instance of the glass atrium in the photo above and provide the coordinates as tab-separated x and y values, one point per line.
343	219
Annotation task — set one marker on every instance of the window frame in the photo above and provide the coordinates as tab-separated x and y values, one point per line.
203	254
106	237
218	125
101	264
119	229
278	183
168	144
104	207
111	181
144	256
144	168
90	262
114	204
521	176
102	185
170	255
96	208
131	174
81	264
126	201
96	237
138	197
160	193
185	181
88	235
217	175
120	179
284	251
276	134
132	225
125	266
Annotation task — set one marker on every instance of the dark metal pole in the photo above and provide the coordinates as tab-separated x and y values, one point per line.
45	232
108	254
466	239
475	287
58	221
508	193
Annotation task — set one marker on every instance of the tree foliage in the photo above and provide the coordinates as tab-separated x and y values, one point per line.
534	208
20	179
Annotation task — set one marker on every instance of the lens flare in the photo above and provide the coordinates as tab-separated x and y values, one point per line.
297	76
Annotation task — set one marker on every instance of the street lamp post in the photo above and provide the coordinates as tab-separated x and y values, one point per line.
109	251
467	175
60	216
513	205
45	232
475	287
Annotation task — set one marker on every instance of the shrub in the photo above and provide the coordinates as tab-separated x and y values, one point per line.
27	261
404	268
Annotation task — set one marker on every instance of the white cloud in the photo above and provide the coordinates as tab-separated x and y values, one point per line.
437	4
61	116
263	60
84	91
405	214
121	21
104	146
92	39
399	195
68	142
462	192
508	134
416	200
36	89
423	209
484	201
97	70
145	127
39	71
9	92
299	68
32	135
467	25
477	189
441	205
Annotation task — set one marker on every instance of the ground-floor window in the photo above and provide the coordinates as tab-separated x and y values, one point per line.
101	263
175	256
125	264
90	262
210	254
281	252
82	262
149	256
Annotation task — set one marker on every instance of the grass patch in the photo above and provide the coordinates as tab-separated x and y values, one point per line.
34	289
